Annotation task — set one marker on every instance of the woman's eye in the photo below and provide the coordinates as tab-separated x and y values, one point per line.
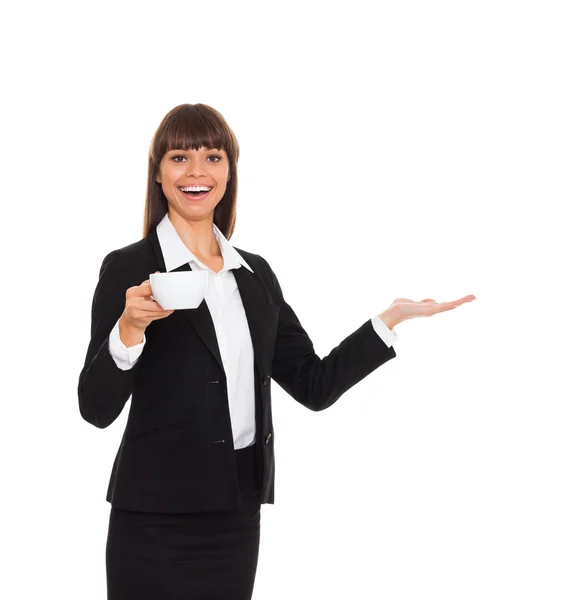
218	158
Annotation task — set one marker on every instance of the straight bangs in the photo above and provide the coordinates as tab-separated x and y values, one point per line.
191	127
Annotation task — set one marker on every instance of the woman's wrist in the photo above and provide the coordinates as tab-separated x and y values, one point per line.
130	336
389	318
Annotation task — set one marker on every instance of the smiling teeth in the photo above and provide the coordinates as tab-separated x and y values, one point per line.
195	188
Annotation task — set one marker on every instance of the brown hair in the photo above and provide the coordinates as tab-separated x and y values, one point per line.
191	126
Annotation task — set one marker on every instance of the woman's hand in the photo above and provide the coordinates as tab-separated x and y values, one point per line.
140	310
403	309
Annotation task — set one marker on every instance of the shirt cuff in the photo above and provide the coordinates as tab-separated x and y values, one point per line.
124	357
387	335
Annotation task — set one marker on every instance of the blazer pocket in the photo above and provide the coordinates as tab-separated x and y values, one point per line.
168	427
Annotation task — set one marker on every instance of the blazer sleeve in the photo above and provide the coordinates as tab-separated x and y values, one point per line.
103	388
316	382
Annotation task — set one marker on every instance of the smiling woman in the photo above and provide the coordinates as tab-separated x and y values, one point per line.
186	494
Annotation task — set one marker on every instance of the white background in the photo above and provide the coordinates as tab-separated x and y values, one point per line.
415	149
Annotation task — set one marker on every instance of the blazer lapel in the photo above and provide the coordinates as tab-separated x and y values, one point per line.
260	312
261	315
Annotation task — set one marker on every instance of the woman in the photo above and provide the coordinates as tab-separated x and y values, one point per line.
196	459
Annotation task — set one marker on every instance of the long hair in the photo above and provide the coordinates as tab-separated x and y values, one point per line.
191	126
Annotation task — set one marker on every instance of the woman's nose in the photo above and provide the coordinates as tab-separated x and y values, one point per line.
194	168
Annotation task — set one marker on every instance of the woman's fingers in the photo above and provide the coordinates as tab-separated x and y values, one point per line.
409	309
443	306
148	304
166	314
143	289
410	300
140	308
455	303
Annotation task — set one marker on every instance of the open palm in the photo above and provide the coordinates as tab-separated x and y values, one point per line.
405	308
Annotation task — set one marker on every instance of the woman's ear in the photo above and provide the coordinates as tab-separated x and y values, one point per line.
158	179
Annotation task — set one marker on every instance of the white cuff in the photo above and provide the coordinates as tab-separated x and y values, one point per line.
387	335
124	357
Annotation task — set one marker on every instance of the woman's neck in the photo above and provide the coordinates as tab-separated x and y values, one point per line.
197	236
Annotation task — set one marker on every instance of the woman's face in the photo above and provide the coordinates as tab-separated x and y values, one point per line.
202	168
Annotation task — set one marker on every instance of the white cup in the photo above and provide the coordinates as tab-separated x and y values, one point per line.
179	290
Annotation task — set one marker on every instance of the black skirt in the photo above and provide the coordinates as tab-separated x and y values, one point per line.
206	556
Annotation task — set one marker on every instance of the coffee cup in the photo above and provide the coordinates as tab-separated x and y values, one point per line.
179	289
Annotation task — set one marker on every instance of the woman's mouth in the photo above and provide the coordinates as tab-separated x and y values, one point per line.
195	192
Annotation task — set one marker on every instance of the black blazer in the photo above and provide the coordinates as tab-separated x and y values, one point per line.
177	453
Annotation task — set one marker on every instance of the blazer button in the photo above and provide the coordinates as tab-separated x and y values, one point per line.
266	380
267	439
